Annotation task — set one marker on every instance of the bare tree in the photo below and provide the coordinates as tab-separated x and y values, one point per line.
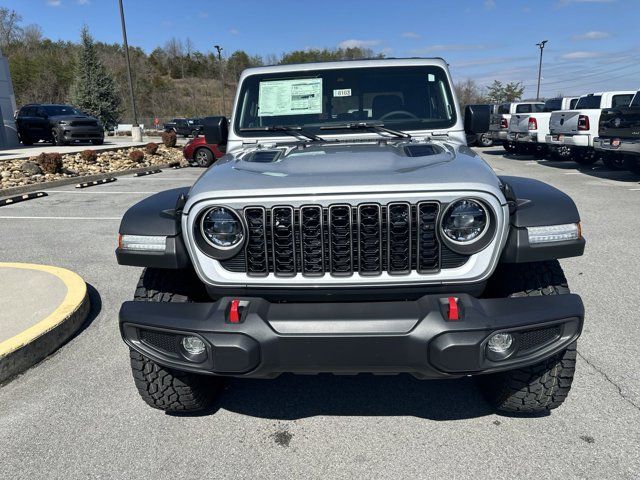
10	29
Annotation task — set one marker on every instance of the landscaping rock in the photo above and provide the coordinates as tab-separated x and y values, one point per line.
31	168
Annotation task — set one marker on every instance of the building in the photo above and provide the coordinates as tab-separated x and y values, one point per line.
8	133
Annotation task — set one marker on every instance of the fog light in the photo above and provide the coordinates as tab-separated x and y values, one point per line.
193	345
500	342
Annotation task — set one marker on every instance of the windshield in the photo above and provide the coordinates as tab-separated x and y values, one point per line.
636	100
590	101
403	98
55	110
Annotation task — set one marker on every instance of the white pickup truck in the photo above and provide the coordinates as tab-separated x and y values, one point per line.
499	122
528	131
577	128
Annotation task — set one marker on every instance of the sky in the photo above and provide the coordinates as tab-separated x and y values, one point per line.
593	45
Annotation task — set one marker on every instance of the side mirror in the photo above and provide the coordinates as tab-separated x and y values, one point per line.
476	119
216	130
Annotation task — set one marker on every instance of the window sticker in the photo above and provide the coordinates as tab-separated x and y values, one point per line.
343	92
290	97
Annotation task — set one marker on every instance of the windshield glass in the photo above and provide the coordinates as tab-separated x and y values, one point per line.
636	100
590	101
403	98
54	110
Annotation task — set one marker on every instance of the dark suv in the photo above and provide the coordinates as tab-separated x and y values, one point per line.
60	124
184	126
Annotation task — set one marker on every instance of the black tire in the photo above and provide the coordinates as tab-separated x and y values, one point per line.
632	163
538	388
509	147
540	151
561	153
584	156
97	142
26	141
203	157
160	387
485	140
520	149
56	138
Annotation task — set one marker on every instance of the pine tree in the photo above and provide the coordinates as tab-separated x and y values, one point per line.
94	89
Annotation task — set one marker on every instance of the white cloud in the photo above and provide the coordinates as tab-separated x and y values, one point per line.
354	43
592	35
450	47
54	3
489	4
413	35
580	55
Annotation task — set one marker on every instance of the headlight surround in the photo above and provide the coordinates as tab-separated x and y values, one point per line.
467	226
222	228
465	221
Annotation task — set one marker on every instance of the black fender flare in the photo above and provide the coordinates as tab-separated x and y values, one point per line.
157	215
535	203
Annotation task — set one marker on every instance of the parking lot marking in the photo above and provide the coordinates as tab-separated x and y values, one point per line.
573	173
58	218
634	189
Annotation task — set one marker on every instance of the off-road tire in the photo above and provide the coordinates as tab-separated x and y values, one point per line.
584	156
613	161
561	153
509	147
539	388
540	151
160	387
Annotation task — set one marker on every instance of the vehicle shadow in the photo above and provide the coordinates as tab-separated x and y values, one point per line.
291	397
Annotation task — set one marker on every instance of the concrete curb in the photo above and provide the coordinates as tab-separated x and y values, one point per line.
73	180
100	150
29	347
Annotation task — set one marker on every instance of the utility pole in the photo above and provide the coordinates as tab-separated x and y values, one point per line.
541	46
224	104
135	131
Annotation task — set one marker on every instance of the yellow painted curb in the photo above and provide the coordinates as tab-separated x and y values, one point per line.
73	300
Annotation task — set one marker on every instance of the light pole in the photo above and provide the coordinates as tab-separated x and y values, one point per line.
224	104
136	134
541	46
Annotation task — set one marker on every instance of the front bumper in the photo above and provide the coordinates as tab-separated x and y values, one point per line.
71	133
568	140
376	337
498	135
617	145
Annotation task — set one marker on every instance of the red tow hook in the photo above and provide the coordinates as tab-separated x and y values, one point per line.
234	311
454	312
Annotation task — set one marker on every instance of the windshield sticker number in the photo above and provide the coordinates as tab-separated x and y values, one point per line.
343	92
290	97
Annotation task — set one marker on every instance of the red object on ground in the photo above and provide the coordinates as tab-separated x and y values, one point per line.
197	143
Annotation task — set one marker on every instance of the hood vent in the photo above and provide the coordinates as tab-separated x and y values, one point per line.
423	150
263	156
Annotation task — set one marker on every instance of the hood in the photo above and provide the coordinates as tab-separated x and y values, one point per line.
310	169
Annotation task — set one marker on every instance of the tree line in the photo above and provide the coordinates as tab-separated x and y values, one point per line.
173	80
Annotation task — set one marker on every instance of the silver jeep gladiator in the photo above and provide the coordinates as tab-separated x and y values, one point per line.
349	229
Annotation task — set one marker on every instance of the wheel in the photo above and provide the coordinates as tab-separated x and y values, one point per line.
161	387
520	149
632	163
26	141
194	133
584	156
541	387
561	153
57	138
540	151
484	140
203	157
509	147
97	142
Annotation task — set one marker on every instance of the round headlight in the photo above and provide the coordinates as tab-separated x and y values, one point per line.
465	221
221	228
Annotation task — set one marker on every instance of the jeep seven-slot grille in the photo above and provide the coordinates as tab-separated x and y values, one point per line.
343	239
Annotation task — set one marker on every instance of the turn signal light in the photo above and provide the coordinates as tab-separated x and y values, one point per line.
504	123
533	124
583	122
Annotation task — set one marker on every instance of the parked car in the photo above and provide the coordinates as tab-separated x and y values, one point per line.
482	139
327	243
201	153
619	136
499	125
59	124
528	131
184	126
578	127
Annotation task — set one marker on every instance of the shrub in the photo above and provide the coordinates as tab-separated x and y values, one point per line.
50	162
169	139
151	148
89	156
136	155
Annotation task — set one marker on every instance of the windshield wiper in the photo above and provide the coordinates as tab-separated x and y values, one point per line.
292	130
366	126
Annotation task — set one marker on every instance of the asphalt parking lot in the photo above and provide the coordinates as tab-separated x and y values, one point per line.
78	414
